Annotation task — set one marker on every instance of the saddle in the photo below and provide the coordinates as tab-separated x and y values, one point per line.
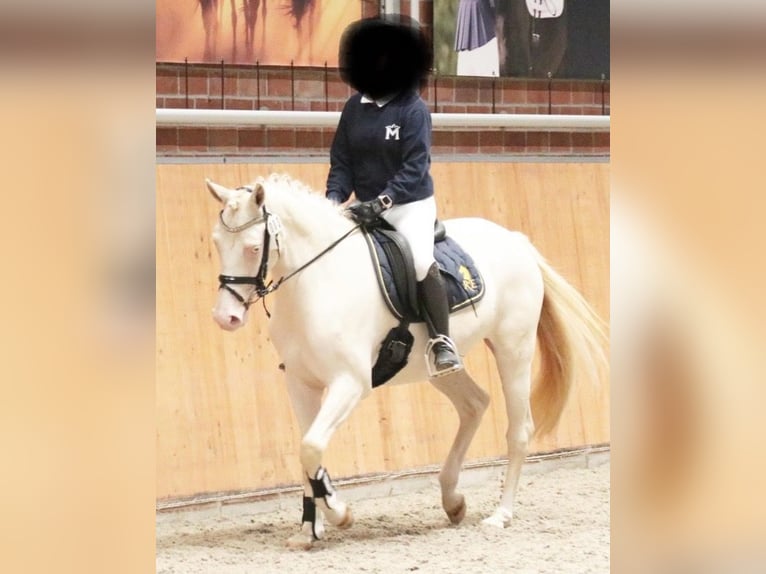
394	268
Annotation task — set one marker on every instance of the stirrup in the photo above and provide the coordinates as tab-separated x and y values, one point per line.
431	364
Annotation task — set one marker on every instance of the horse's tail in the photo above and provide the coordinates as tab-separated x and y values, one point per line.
572	341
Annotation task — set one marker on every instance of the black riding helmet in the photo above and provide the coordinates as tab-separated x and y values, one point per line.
384	55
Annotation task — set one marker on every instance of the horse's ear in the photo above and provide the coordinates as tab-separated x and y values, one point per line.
259	193
220	192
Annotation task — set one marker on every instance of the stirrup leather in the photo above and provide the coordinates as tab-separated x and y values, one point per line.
430	357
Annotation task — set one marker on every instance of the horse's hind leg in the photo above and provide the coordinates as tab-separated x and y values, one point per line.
470	401
514	363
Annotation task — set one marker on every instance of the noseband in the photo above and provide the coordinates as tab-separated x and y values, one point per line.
272	228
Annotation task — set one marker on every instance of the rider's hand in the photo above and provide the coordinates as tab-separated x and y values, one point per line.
367	212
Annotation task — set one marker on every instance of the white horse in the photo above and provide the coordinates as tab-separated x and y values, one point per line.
328	320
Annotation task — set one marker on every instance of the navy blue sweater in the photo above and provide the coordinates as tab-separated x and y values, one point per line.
382	150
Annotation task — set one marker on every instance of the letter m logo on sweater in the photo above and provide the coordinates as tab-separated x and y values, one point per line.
392	131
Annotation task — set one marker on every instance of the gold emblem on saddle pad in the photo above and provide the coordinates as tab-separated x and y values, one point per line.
468	283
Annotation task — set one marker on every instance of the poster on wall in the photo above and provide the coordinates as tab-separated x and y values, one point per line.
522	38
271	32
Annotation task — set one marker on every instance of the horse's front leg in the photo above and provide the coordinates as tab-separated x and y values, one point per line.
306	401
343	394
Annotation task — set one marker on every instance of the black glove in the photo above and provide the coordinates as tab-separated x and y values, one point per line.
368	211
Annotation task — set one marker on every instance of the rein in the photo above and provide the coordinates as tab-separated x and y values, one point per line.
261	289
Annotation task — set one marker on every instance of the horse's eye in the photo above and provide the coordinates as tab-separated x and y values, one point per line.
253	248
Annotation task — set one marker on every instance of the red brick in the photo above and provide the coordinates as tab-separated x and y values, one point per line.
444	90
583	141
176	103
485	108
206	103
198	85
166	137
485	87
311	89
309	139
337	89
328	134
452	109
538	141
561	93
443	138
231	83
585	93
491	141
537	92
279	87
515	142
280	138
193	139
561	142
568	110
240	103
251	138
167	84
527	109
501	108
248	87
466	92
271	104
214	84
601	141
223	138
466	142
511	92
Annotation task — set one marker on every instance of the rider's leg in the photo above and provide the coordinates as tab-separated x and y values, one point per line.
433	298
415	221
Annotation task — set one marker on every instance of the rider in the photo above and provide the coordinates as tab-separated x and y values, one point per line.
382	152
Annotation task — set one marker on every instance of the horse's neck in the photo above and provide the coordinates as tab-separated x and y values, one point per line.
307	232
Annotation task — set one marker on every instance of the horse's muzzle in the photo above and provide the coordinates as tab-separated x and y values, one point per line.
228	313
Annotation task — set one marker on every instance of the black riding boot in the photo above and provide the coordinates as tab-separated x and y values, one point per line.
433	299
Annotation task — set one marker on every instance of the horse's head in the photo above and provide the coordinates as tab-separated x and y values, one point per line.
243	241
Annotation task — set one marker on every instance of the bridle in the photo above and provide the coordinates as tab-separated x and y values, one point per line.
258	281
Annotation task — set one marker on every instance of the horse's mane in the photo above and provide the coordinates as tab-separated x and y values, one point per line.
300	201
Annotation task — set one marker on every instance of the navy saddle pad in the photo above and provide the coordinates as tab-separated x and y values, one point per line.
396	276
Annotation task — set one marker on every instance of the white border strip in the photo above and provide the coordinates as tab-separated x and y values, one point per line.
263	118
578	457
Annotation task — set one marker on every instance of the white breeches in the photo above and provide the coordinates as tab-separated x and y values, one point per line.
415	221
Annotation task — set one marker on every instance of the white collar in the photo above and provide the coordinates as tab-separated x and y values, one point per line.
380	102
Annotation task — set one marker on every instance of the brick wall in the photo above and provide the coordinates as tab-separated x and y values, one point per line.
239	87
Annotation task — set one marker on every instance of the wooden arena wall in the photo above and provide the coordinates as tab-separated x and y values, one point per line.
223	419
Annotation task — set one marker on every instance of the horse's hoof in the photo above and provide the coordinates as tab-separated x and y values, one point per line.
348	519
300	541
457	513
497	520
